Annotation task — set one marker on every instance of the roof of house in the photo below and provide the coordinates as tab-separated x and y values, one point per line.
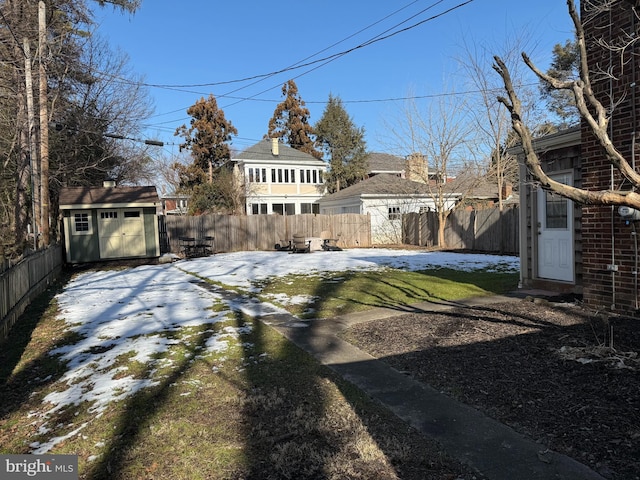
384	184
70	196
263	151
385	162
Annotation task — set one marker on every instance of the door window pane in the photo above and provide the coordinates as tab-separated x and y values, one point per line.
556	211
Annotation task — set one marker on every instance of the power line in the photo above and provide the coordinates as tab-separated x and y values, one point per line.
298	65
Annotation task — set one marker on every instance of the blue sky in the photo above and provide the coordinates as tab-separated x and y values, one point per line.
193	48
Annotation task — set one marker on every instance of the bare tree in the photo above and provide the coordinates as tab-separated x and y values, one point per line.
436	141
492	120
592	111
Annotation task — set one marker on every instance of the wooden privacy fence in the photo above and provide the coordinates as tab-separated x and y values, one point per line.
24	281
481	230
262	232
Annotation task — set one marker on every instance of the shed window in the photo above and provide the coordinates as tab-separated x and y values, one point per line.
81	223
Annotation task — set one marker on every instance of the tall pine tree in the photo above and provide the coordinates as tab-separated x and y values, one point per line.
564	67
344	145
290	122
208	135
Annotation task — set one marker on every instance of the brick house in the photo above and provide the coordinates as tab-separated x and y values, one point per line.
589	249
609	251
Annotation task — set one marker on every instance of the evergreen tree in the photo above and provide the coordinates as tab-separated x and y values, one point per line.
290	122
344	145
208	136
564	66
212	186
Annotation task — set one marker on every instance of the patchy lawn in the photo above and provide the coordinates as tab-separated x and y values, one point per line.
227	398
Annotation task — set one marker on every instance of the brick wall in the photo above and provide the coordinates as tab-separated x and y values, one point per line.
607	239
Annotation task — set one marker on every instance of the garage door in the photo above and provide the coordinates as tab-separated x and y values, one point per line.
121	233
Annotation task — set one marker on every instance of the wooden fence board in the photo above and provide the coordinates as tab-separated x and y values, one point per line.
263	232
24	281
481	230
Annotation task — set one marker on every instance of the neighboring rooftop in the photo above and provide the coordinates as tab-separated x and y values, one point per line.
267	150
385	163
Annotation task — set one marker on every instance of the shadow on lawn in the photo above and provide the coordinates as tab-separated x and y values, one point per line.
506	362
36	372
139	414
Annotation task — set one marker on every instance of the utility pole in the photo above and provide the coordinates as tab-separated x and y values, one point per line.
44	126
33	157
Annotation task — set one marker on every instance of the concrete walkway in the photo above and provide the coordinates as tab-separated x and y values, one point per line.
486	445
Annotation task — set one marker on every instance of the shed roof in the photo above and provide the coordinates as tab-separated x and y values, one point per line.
72	197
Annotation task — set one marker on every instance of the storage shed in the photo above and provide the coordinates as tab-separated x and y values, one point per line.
109	222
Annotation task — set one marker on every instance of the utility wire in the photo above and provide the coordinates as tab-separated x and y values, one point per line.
298	65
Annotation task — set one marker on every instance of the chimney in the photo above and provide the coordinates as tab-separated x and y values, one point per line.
274	147
507	189
416	167
109	183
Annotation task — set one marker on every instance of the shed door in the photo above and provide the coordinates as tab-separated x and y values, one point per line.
121	233
555	234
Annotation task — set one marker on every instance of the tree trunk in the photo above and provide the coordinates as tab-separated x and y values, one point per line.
44	129
442	221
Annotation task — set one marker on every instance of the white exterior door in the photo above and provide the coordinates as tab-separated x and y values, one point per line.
121	233
555	234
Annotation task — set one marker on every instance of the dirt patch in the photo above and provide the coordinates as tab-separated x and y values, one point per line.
561	374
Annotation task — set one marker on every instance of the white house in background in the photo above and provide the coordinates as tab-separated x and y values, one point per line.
279	179
385	197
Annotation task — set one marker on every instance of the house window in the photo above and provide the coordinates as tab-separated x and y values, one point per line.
81	223
259	208
284	208
309	208
394	213
257	175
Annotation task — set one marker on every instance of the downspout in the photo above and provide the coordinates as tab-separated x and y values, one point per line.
634	234
613	209
633	154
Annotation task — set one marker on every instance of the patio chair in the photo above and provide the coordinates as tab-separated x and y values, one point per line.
188	246
329	244
300	244
283	246
206	246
